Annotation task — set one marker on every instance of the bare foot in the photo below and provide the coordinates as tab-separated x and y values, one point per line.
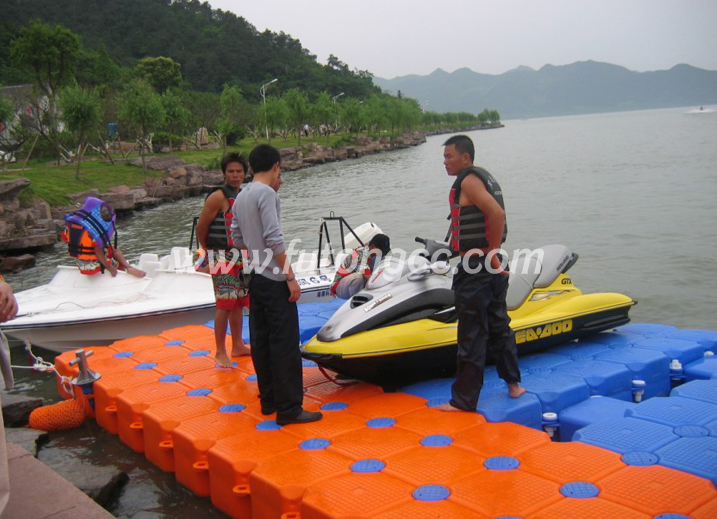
136	272
240	350
514	390
222	361
447	407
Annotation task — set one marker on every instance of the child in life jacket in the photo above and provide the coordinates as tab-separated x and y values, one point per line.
89	234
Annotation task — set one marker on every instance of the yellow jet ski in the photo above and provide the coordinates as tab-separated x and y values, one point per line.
402	326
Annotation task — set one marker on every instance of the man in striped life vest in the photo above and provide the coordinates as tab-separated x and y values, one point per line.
480	282
230	287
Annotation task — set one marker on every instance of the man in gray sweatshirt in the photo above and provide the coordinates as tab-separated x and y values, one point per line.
273	316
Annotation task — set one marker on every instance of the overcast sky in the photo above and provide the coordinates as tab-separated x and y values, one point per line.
398	37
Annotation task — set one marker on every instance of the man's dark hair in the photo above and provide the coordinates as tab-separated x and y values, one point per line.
463	144
234	157
263	157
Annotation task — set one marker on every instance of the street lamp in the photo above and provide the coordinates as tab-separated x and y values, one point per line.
338	119
262	91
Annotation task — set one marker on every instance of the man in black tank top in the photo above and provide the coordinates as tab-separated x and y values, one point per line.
480	283
213	233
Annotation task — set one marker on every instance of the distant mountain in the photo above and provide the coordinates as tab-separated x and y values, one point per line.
579	88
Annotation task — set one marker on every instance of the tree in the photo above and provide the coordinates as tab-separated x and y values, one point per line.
177	114
298	108
142	108
81	114
276	114
160	72
353	116
50	54
323	113
233	109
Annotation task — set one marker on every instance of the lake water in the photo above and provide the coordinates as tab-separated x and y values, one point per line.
633	193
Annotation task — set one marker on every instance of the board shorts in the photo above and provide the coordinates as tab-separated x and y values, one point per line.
231	286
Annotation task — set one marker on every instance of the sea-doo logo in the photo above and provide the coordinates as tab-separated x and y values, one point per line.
373	304
541	332
567	281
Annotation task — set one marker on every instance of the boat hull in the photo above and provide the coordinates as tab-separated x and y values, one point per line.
400	354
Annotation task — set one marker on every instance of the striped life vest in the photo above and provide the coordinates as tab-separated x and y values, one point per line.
469	226
219	235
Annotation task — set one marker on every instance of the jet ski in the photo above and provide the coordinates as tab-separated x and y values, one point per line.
402	325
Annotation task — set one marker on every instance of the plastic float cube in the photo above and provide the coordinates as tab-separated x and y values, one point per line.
555	390
279	484
500	439
581	350
707	338
427	421
675	411
684	351
104	359
571	461
696	456
648	329
363	493
594	409
487	491
595	507
541	362
429	509
232	460
616	339
378	440
704	390
497	406
436	461
649	365
107	389
385	404
329	392
705	368
603	378
626	435
656	490
193	361
134	400
193	438
161	418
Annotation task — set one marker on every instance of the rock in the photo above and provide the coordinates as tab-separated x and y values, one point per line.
99	482
79	198
17	263
119	189
146	202
16	409
139	193
28	242
119	201
165	163
43	209
9	189
211	146
212	178
178	173
29	439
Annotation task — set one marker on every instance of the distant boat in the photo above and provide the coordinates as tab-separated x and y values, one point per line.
701	110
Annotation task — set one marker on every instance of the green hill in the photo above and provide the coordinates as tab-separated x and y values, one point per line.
214	47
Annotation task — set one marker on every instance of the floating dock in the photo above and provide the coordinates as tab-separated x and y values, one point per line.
632	434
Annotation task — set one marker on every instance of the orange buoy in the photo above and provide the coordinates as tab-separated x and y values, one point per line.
58	417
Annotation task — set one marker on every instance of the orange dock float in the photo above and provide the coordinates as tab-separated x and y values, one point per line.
374	455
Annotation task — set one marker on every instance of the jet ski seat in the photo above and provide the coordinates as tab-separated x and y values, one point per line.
528	271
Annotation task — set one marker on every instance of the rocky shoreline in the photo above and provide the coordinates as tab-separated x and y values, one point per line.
26	230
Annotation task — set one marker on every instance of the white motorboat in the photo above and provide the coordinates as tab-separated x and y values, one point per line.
76	311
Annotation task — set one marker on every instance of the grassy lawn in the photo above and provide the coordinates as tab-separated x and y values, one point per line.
52	183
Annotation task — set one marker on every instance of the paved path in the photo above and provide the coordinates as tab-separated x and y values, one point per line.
38	492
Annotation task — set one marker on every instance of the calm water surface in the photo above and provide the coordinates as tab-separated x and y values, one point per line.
632	193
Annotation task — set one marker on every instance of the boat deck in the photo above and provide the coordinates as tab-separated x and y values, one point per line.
391	455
